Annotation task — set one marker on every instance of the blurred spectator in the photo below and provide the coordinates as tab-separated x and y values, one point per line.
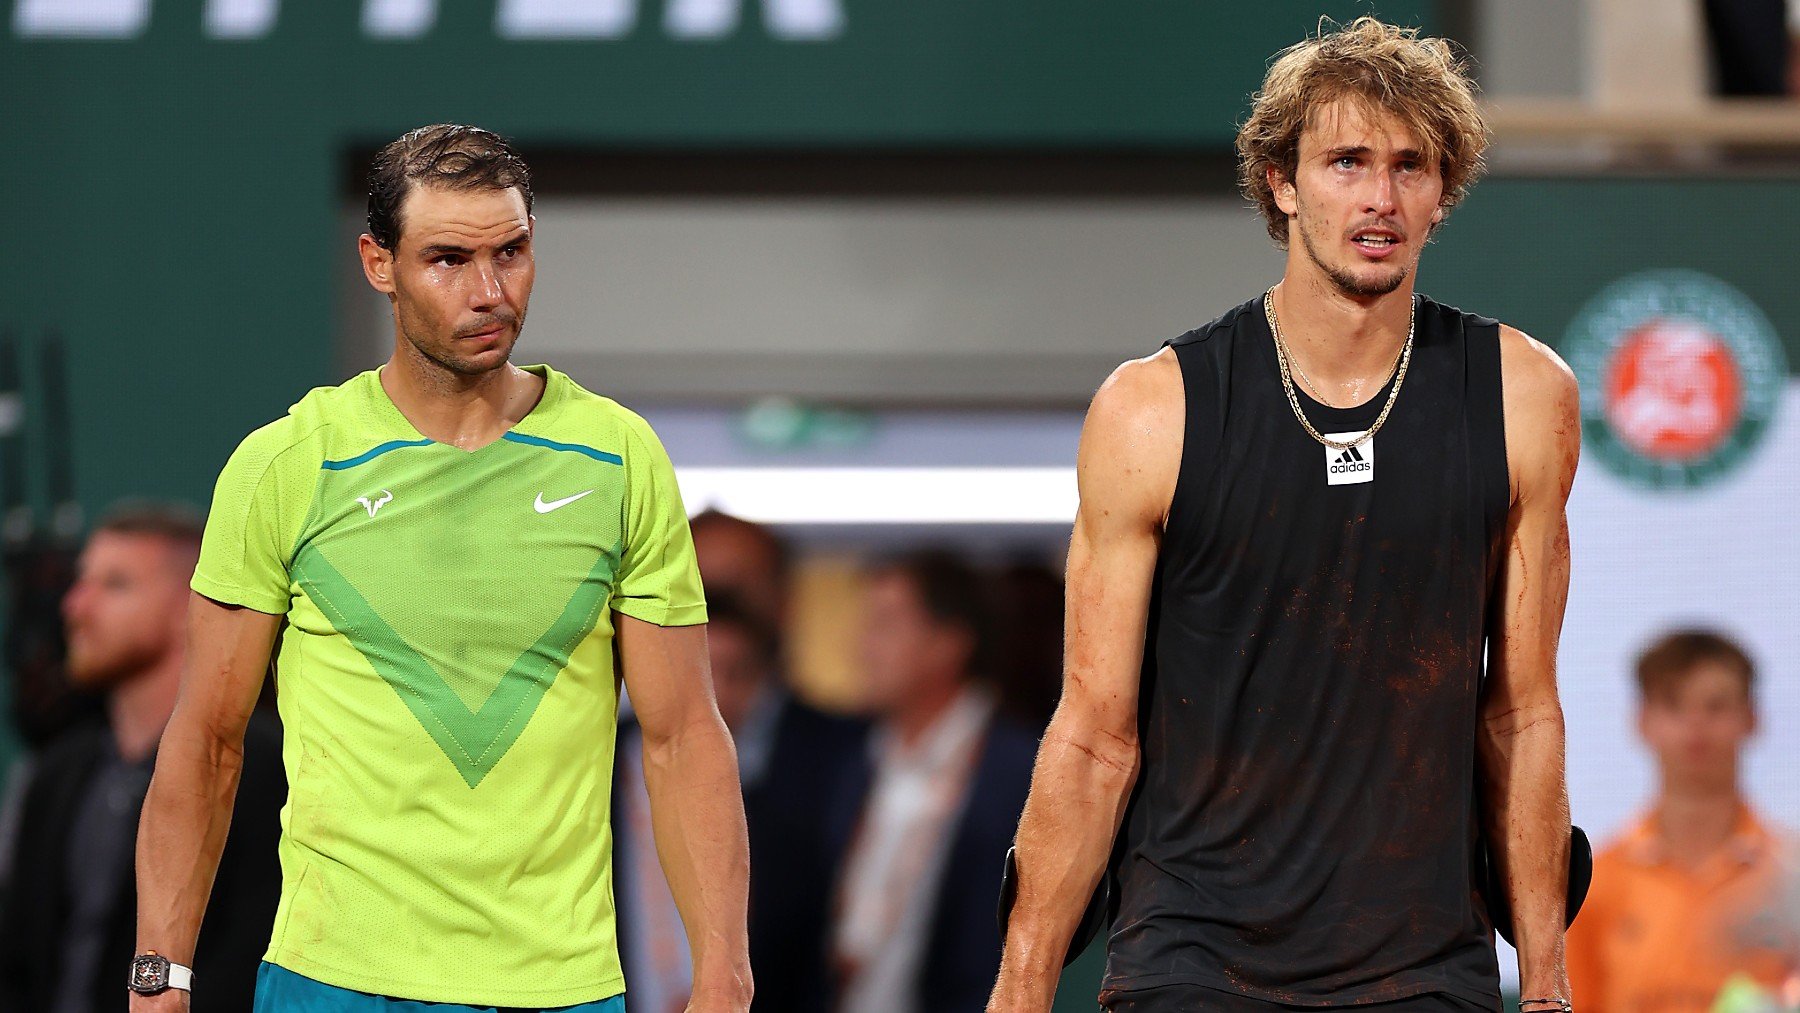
796	764
67	917
946	780
1794	48
746	559
1699	890
1027	605
41	705
1750	46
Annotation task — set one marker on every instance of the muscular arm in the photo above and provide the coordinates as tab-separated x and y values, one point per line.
1130	453
188	808
696	805
1521	739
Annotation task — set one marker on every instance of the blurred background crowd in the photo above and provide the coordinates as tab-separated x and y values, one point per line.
861	265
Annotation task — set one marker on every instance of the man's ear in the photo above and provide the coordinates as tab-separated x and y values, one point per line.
377	264
1283	188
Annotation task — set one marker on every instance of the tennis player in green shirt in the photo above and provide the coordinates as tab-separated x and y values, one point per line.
448	558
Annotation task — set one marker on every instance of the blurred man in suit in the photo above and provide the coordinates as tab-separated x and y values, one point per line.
66	931
1701	889
798	766
946	778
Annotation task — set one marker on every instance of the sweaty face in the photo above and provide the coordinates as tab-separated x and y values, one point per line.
1699	725
1362	201
125	612
462	275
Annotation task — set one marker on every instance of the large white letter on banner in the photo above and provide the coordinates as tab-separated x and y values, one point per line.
398	19
793	20
80	19
241	19
565	19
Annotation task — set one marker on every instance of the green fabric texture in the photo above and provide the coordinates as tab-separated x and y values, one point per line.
447	684
474	740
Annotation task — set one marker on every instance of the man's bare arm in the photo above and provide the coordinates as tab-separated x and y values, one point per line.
1130	454
187	811
696	804
1524	788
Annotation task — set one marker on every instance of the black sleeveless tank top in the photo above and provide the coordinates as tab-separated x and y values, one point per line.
1305	828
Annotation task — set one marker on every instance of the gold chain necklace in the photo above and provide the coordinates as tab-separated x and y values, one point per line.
1287	380
1312	389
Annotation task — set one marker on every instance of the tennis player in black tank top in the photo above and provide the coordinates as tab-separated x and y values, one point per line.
1315	588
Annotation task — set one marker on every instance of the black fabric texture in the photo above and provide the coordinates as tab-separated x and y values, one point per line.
1304	829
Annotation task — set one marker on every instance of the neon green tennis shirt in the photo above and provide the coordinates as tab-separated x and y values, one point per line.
446	682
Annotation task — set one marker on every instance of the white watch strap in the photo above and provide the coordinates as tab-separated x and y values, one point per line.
181	977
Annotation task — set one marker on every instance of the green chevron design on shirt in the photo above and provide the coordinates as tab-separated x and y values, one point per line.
473	740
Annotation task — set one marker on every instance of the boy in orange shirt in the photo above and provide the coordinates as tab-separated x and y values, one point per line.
1699	890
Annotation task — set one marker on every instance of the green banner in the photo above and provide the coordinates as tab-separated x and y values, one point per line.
668	72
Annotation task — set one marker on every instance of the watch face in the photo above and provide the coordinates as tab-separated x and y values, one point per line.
149	975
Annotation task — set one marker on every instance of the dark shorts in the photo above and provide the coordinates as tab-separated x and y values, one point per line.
1184	998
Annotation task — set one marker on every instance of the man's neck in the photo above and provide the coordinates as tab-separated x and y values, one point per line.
1340	339
464	411
138	708
1694	821
921	711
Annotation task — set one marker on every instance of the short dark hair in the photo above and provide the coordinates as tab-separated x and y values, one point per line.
726	609
1675	655
176	523
449	155
953	594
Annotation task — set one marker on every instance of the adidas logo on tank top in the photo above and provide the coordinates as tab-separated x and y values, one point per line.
1349	467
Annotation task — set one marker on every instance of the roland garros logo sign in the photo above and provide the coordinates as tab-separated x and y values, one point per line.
1680	374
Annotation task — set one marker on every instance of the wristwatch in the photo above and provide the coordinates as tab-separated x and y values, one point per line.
152	974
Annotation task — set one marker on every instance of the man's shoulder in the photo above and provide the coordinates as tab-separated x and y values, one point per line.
1782	838
1141	394
1632	846
1151	387
584	416
1530	367
340	407
1220	329
1445	315
1623	849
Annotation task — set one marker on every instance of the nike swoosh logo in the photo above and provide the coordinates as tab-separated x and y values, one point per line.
555	504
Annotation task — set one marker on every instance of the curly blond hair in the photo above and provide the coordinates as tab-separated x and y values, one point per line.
1382	67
